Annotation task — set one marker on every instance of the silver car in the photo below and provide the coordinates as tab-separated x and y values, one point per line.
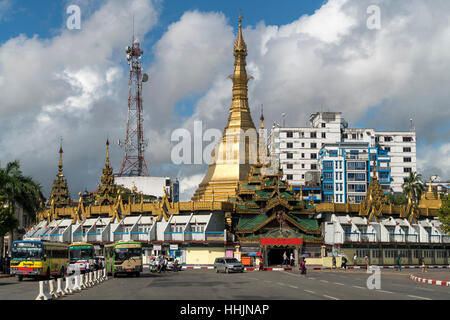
228	265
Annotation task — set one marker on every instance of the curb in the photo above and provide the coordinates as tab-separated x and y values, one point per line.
428	281
6	276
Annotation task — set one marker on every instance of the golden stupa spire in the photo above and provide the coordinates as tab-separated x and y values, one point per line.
233	156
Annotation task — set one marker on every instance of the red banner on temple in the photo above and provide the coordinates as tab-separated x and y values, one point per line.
269	241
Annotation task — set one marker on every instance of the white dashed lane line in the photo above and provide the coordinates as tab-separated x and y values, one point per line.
358	287
338	283
294	287
417	297
309	291
330	297
324	281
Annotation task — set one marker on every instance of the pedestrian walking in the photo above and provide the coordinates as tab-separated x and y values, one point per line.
87	267
261	265
366	258
175	265
344	263
423	265
284	258
303	267
399	263
355	259
165	261
292	260
334	262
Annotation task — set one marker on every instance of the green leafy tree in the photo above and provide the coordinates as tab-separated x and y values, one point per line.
444	214
413	187
17	189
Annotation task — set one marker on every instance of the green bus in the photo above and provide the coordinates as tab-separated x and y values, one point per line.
123	257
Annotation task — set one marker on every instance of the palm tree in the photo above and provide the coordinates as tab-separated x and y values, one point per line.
17	189
413	187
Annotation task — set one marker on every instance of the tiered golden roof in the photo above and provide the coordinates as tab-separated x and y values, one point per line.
107	189
59	195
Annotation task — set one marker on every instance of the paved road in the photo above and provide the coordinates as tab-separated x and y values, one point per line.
207	285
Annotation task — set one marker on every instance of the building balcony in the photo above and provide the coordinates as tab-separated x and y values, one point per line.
215	235
351	237
412	238
435	238
396	237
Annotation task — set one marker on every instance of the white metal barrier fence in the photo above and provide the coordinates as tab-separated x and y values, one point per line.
51	289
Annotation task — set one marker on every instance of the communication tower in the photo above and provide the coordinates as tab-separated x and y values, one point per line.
134	146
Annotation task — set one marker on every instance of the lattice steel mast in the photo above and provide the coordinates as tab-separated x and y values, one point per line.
134	163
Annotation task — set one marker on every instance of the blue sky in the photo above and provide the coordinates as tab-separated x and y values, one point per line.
307	56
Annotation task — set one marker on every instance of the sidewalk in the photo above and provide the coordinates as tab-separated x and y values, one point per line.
432	277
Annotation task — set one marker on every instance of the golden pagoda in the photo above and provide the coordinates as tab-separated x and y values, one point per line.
238	149
59	194
107	190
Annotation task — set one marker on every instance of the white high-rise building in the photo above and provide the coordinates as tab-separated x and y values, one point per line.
298	147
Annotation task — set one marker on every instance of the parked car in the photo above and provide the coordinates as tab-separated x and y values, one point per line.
228	265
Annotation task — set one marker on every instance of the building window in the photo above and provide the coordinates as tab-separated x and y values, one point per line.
406	170
327	165
388	149
290	156
354	136
407	139
290	177
387	139
313	155
313	145
303	144
328	176
314	167
407	149
303	166
290	145
345	136
323	125
303	155
313	135
303	176
289	134
406	159
290	166
324	135
328	186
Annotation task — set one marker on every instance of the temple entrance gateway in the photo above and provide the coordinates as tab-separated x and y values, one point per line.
275	255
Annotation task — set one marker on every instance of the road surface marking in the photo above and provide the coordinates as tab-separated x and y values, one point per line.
330	297
425	289
312	292
324	281
281	284
409	295
253	279
384	291
338	283
358	287
312	278
294	287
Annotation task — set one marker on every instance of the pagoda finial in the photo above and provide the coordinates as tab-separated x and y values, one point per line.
375	170
430	189
240	45
60	164
107	153
262	117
